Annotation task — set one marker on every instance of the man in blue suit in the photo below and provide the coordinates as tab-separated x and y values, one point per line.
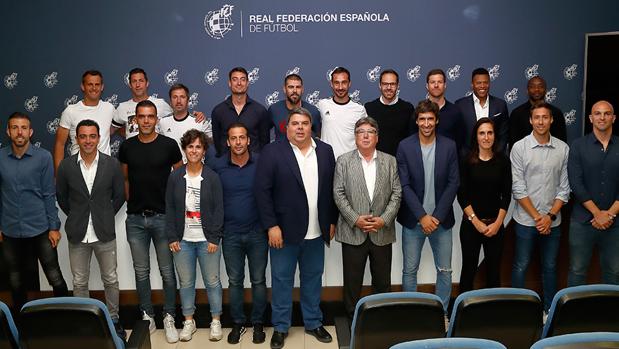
481	104
294	194
428	169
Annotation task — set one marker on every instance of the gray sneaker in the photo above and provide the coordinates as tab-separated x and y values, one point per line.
151	325
171	334
189	328
216	333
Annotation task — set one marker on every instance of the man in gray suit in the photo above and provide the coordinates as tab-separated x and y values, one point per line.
90	191
367	191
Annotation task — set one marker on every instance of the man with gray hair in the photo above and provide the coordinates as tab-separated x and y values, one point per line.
367	192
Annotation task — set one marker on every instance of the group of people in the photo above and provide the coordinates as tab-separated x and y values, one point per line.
199	187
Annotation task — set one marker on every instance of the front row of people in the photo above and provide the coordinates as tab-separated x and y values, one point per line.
298	190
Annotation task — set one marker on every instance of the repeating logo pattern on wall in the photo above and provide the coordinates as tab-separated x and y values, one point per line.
52	126
295	70
211	77
50	80
171	77
253	75
494	72
511	96
112	99
271	98
126	78
570	72
71	100
551	95
10	81
453	73
531	72
313	98
412	74
373	74
570	117
193	101
217	23
329	72
114	147
31	104
355	96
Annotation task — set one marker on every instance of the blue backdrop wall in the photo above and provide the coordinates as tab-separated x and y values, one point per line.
46	45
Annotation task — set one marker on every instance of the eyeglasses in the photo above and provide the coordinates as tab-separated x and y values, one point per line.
389	84
371	132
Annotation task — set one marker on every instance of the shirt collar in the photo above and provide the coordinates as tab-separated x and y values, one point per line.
593	139
374	156
476	101
534	143
80	160
27	152
230	163
395	100
297	148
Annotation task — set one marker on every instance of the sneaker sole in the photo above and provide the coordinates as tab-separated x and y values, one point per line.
188	339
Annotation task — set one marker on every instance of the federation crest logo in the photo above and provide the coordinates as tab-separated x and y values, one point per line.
412	74
155	95
253	76
52	126
453	73
468	93
126	79
355	96
329	72
37	144
114	147
570	117
112	99
171	77
50	80
511	96
295	70
10	81
71	100
271	98
494	72
313	98
193	100
551	95
32	104
218	23
570	72
211	77
531	72
373	74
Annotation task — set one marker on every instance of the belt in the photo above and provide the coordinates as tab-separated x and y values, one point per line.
148	213
488	220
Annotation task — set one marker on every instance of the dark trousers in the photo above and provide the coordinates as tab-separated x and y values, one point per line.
472	241
16	250
354	258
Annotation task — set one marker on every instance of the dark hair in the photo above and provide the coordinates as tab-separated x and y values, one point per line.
18	115
92	73
367	121
86	123
178	87
292	77
237	125
435	72
389	71
426	106
480	71
537	77
191	135
340	70
299	110
538	105
138	71
237	69
145	103
473	156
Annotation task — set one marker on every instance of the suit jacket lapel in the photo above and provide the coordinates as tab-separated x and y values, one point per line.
356	167
99	174
291	160
381	175
78	170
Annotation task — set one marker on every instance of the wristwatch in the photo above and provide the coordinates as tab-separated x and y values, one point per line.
552	216
471	217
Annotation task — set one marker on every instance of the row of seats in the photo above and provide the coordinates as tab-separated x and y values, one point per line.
589	340
510	316
67	323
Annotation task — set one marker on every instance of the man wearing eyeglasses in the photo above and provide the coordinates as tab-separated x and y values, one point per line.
395	116
367	191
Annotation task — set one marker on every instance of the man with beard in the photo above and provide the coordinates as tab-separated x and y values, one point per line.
519	125
278	112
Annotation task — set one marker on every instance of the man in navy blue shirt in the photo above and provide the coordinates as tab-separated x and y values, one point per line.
240	108
243	234
29	221
593	169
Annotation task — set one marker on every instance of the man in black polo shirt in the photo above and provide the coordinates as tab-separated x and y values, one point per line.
240	108
147	161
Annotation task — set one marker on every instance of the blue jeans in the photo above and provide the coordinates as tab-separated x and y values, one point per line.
583	237
441	243
185	260
140	231
310	254
526	238
254	246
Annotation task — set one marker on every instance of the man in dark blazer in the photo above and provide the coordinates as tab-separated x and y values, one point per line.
481	104
367	191
294	194
428	169
90	191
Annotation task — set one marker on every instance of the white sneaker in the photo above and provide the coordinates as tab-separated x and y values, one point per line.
171	334
151	322
216	333
189	328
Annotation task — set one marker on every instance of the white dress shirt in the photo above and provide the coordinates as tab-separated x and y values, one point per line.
369	173
89	173
481	111
308	165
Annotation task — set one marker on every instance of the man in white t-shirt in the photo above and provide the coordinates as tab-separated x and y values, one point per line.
124	117
180	120
91	107
339	114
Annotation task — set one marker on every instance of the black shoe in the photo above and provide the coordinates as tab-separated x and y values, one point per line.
321	334
120	331
259	335
277	340
235	335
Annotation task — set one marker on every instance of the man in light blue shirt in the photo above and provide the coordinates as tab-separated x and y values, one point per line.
29	223
540	186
